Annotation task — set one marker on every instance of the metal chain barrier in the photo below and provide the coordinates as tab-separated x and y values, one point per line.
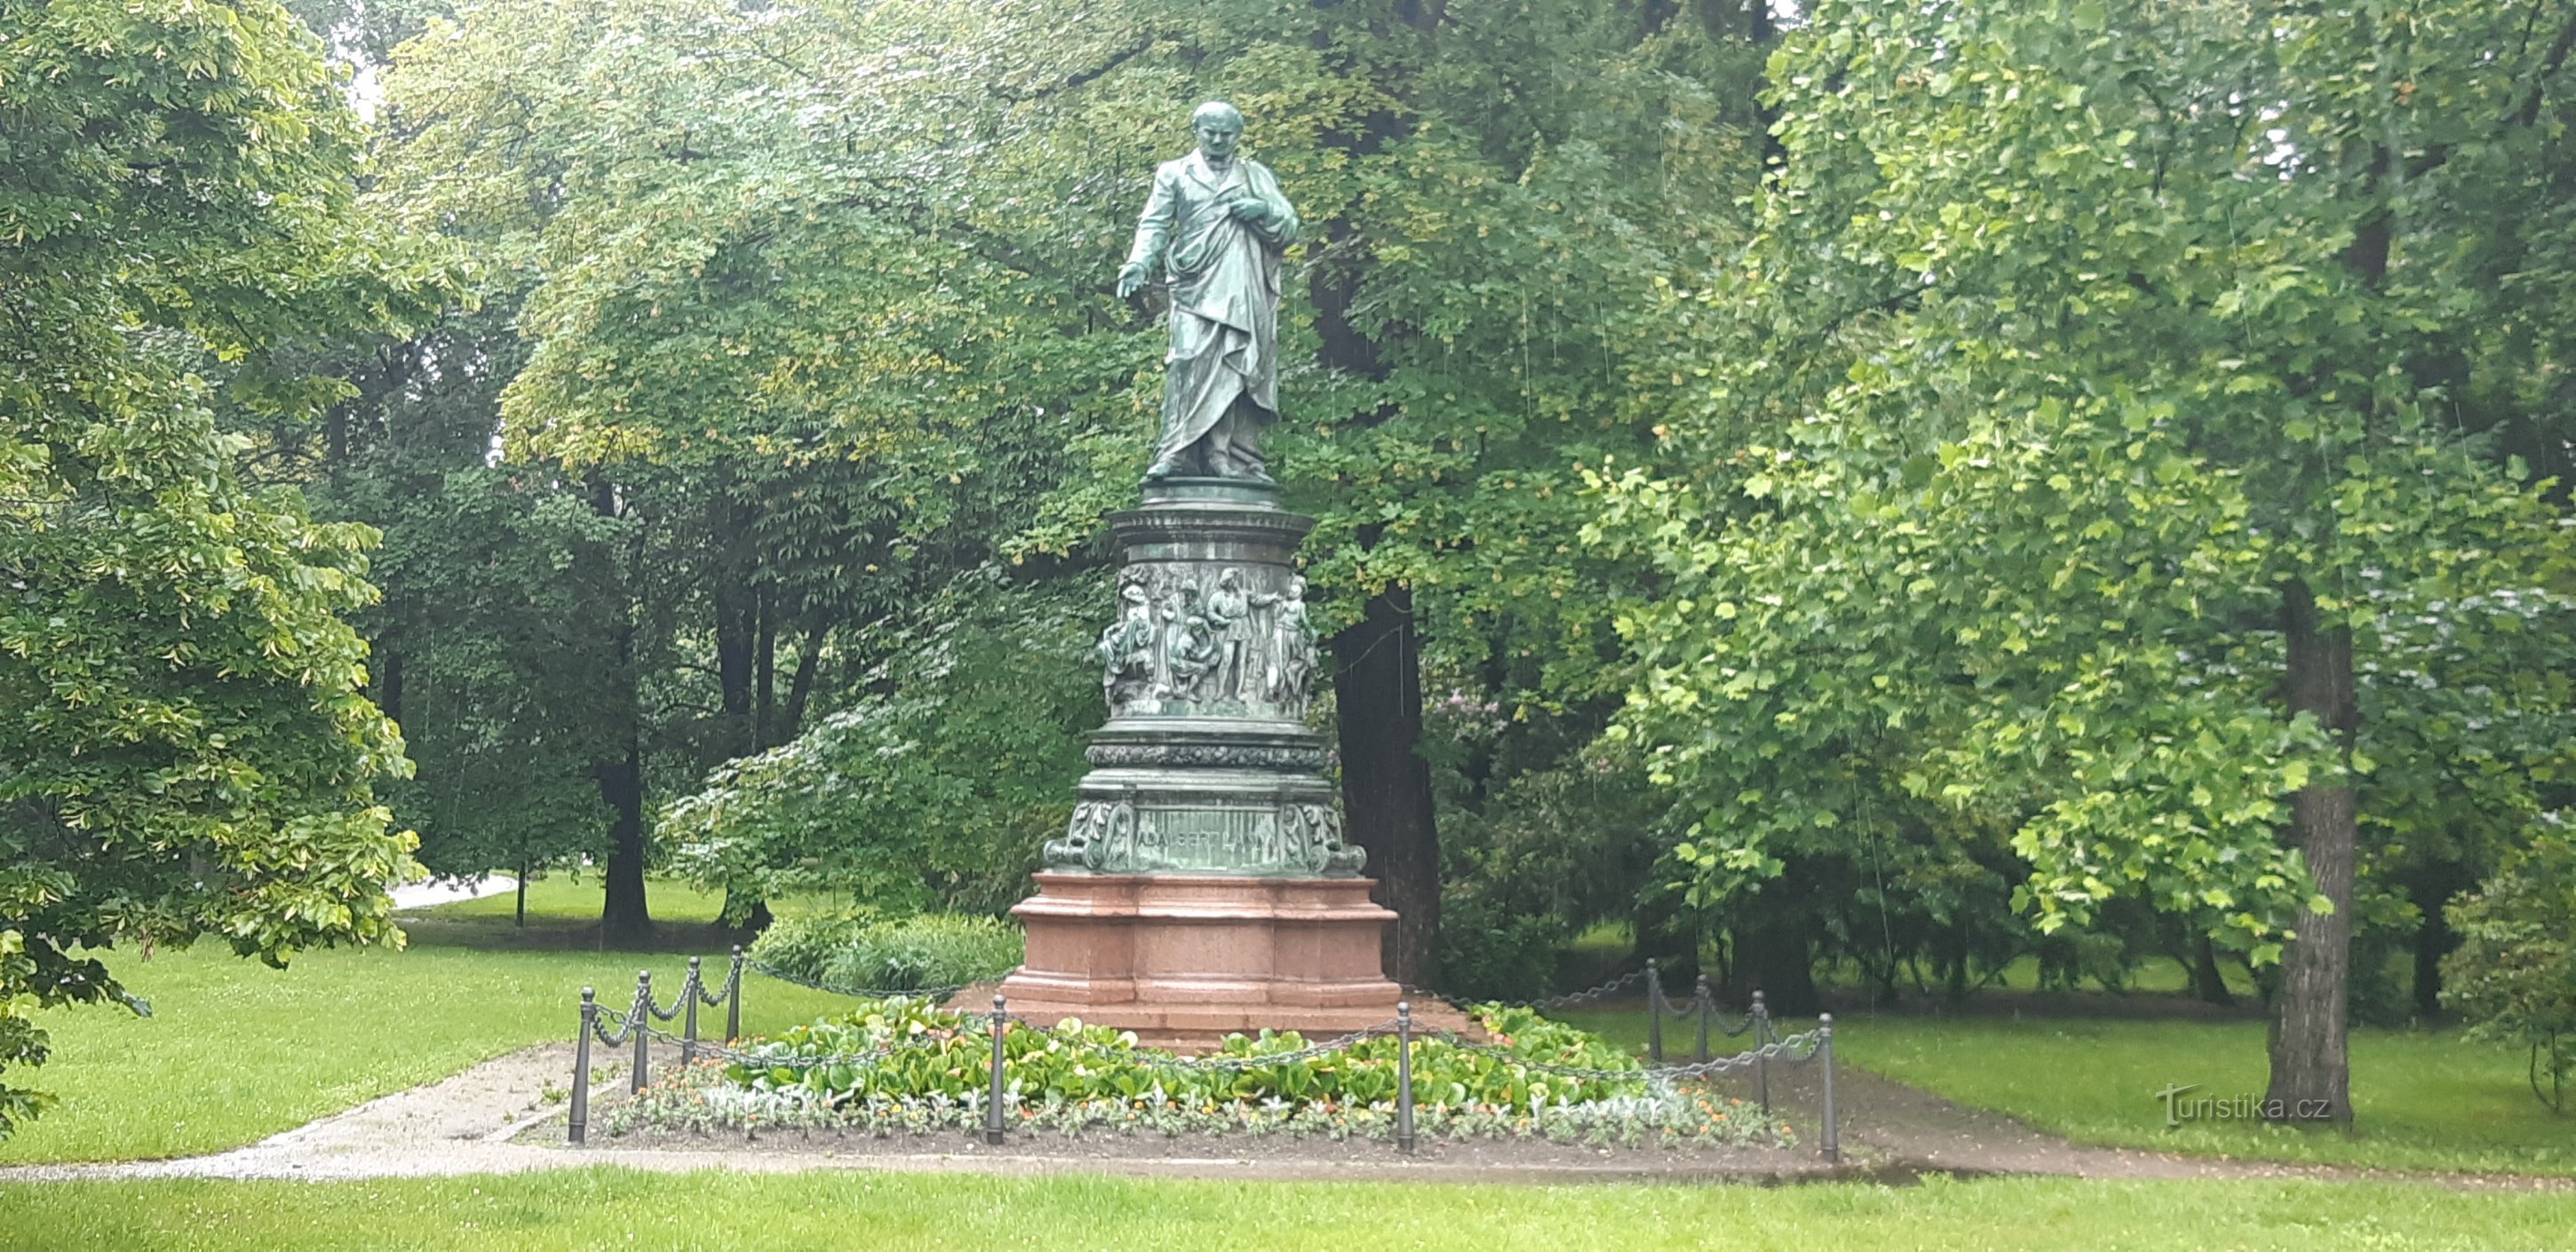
636	1026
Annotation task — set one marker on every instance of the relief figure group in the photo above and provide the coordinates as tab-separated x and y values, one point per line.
1223	646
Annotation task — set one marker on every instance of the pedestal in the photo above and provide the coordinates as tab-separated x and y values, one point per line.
1191	958
1202	887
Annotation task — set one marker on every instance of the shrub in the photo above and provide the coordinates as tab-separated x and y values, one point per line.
2514	974
912	953
802	945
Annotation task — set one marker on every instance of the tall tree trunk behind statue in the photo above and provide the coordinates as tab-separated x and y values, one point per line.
1377	684
1386	785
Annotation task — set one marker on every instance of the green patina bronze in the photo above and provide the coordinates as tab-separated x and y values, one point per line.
1220	226
1207	765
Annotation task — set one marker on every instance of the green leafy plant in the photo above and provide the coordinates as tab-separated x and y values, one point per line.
2514	974
905	1064
891	954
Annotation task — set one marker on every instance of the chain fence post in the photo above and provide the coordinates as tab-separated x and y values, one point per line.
1761	1059
1706	1004
1404	1140
579	1125
733	998
690	991
1825	1045
993	1101
1654	1013
641	1018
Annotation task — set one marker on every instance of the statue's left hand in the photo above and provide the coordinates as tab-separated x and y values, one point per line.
1250	208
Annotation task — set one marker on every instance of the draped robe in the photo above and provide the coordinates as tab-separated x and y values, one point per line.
1222	371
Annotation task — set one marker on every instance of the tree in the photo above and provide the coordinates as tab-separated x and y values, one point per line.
186	749
2083	455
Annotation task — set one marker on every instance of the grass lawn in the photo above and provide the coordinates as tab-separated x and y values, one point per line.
729	1212
235	1051
2422	1099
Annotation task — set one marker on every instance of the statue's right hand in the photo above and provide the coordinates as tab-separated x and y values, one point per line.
1129	279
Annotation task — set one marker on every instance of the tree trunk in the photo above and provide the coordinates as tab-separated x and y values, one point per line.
2207	982
2311	1067
1386	785
737	625
389	692
2430	888
624	921
1775	958
800	685
764	676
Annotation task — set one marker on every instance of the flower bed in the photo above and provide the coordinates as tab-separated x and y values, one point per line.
904	1065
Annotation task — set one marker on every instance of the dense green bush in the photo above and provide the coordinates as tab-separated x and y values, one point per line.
912	953
936	1051
2514	974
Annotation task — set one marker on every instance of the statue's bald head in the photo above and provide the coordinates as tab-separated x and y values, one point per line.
1219	127
1217	111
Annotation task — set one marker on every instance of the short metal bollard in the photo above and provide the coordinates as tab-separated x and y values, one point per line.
1761	1059
636	1021
1825	1051
1654	1013
1404	1076
993	1100
690	990
580	1123
733	998
1706	1003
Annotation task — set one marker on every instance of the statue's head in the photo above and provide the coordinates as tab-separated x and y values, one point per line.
1132	594
1230	578
1219	127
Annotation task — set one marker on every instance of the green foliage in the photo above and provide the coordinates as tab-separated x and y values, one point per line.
2514	974
186	748
940	791
2045	382
913	953
938	1052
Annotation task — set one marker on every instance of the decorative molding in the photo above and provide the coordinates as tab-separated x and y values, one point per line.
1217	755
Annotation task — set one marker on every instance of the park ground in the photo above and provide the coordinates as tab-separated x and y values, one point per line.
2450	1150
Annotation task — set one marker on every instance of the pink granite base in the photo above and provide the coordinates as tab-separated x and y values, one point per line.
1186	960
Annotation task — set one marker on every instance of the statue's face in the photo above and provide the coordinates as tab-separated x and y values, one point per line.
1218	136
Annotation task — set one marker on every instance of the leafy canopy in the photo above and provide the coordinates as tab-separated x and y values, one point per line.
2075	337
184	748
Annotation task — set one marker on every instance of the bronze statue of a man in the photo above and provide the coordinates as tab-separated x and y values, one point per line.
1218	223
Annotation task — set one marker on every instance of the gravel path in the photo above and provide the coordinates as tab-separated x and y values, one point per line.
496	1118
421	895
